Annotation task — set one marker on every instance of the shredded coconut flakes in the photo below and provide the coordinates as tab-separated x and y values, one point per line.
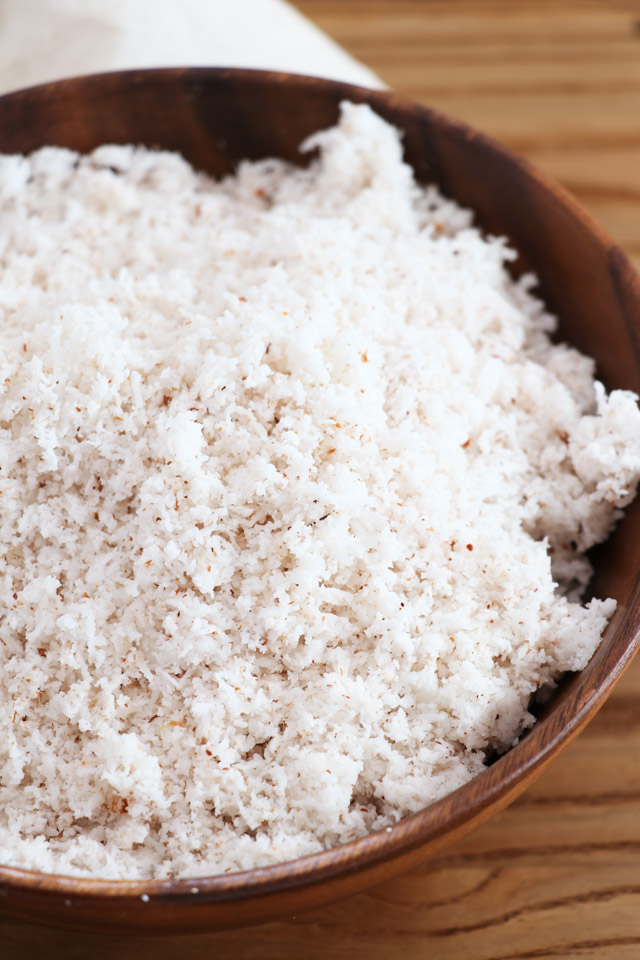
295	493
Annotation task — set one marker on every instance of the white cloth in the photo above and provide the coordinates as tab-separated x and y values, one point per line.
42	40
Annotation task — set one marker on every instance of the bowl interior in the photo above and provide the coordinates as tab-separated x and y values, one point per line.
216	118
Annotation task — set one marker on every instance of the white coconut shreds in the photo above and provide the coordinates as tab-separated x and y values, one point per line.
282	459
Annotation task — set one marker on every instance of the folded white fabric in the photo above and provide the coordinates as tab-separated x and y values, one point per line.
42	40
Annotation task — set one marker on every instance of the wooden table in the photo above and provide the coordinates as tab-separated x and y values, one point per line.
557	874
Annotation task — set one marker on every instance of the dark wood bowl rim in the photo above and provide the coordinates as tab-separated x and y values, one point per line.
495	782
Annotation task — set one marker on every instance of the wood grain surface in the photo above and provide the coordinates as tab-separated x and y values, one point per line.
558	873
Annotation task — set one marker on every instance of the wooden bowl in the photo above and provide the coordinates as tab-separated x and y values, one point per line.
216	118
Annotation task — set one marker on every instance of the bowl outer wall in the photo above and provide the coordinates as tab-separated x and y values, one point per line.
215	118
